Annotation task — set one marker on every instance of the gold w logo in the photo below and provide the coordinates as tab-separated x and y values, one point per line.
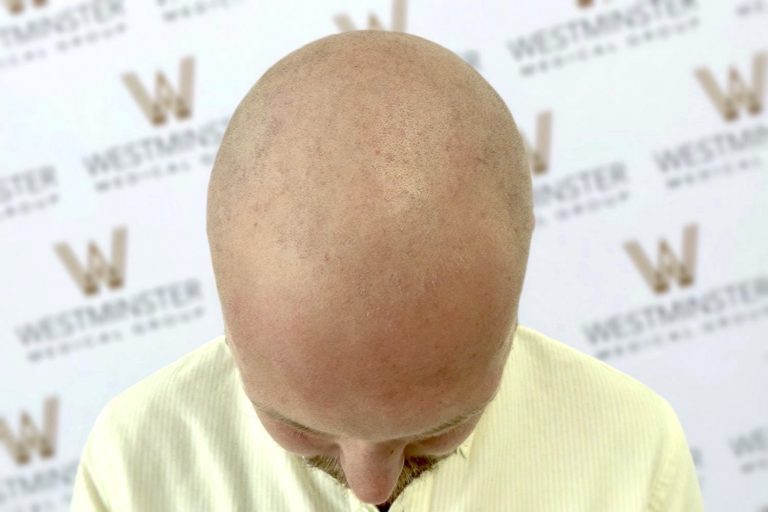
17	6
344	23
98	269
30	438
668	266
739	94
165	99
539	155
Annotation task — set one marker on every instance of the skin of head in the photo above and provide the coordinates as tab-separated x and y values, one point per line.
369	221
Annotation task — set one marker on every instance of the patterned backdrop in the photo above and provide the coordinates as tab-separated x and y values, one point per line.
648	135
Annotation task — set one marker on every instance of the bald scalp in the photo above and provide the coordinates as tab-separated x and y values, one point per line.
368	150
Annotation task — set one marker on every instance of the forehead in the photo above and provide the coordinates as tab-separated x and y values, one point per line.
430	420
433	429
365	387
334	369
354	413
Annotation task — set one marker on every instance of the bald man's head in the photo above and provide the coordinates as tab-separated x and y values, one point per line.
369	220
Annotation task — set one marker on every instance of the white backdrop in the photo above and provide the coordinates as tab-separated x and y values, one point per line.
649	140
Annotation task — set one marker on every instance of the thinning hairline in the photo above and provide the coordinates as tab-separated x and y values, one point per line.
437	430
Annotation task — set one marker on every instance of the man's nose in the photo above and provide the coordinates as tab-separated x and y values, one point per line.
372	471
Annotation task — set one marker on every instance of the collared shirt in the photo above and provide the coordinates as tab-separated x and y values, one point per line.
565	432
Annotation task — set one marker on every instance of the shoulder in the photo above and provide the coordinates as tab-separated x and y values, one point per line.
588	389
166	400
565	365
586	406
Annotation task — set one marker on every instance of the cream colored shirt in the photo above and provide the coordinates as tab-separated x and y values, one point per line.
566	432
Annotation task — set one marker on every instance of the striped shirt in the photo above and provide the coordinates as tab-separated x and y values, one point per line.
565	432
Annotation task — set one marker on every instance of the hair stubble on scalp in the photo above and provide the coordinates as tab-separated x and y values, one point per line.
396	118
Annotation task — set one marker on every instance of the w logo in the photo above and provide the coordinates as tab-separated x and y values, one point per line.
739	93
344	23
539	154
668	266
30	438
166	99
17	6
98	268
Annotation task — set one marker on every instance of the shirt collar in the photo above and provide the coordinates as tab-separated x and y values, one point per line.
465	447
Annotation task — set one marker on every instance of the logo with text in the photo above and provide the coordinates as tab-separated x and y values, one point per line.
588	31
750	449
